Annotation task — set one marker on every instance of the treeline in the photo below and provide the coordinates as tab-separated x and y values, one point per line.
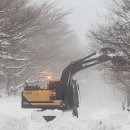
114	32
32	38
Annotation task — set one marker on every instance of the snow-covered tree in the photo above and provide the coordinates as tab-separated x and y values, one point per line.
32	39
114	32
18	22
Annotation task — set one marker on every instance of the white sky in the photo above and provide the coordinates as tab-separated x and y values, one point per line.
84	13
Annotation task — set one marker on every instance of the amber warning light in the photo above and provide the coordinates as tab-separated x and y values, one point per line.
49	77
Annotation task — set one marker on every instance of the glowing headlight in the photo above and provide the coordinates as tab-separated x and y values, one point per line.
49	77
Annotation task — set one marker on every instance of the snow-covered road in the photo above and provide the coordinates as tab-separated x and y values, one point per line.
100	109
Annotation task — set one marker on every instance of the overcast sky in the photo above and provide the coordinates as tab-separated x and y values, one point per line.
84	13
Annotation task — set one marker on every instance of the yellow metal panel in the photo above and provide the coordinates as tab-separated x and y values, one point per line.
29	95
55	103
38	95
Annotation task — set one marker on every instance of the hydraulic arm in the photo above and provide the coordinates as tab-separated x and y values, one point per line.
84	63
63	94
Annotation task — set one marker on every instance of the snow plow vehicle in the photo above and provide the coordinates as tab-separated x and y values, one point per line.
64	94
